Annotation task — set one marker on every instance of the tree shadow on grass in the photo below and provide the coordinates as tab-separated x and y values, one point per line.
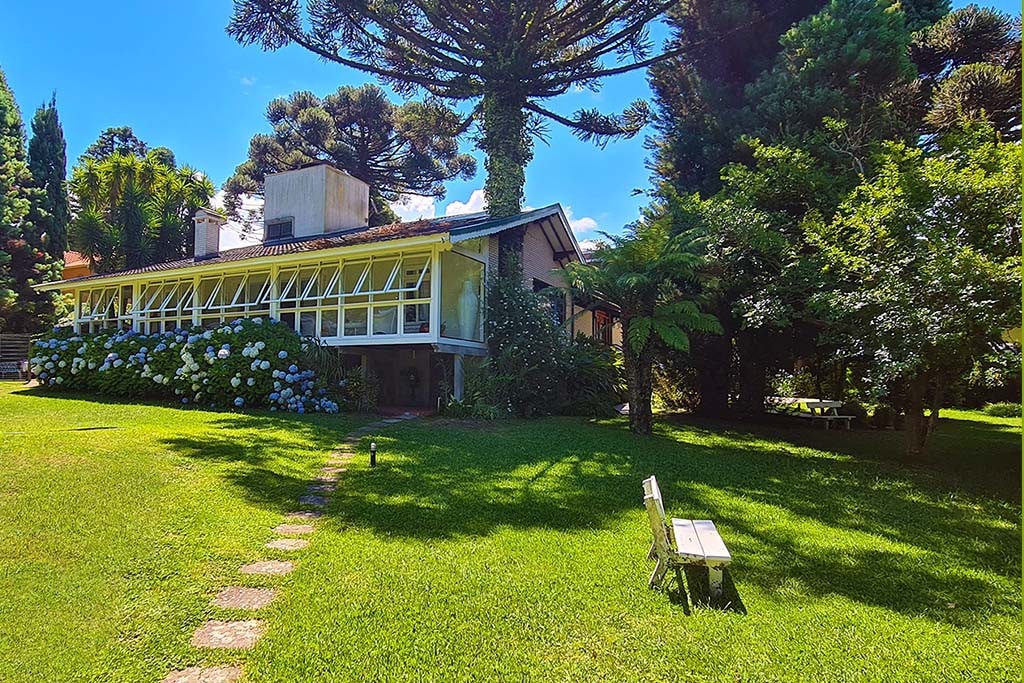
256	454
818	523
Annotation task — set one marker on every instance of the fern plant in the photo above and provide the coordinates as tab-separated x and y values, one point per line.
651	275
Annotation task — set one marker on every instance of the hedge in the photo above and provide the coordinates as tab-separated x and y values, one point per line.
247	363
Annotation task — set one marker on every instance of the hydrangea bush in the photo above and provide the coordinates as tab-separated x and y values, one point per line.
247	363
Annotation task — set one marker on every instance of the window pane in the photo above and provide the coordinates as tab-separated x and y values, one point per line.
329	324
355	322
385	320
328	285
462	288
307	323
417	319
351	274
380	279
254	286
288	319
412	270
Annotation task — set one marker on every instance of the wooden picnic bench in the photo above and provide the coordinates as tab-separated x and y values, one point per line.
817	409
685	542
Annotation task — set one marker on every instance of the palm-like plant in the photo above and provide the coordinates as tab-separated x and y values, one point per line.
650	275
132	211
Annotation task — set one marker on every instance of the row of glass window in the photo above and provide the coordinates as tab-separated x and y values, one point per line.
379	296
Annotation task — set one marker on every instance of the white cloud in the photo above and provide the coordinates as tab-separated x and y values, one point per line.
248	80
590	245
580	225
413	207
476	203
235	234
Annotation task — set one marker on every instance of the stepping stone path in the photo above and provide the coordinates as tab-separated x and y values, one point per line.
210	674
229	635
242	635
288	543
240	597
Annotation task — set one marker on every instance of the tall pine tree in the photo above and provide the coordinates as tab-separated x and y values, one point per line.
22	262
47	160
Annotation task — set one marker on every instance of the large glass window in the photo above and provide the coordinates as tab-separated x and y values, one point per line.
462	293
364	297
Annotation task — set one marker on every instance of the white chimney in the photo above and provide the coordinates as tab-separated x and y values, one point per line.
313	200
207	233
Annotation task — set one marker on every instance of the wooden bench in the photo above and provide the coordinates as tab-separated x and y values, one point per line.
827	418
686	542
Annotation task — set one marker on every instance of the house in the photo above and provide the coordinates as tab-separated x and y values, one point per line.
405	300
75	265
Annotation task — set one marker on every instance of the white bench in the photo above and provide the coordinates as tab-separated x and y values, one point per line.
691	542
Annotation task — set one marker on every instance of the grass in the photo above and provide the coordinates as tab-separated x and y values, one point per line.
120	521
508	550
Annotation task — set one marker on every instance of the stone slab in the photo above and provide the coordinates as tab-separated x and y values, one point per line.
313	501
268	567
240	597
323	487
228	635
227	673
289	529
288	543
303	515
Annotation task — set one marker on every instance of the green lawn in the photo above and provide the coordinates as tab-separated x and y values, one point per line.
508	550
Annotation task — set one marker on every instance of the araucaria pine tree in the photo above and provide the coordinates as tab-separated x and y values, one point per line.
23	262
504	57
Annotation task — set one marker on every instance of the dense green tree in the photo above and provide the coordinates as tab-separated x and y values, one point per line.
927	254
722	46
47	160
119	140
135	211
396	149
23	262
505	57
842	81
649	272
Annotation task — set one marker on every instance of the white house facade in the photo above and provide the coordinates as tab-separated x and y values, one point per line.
403	300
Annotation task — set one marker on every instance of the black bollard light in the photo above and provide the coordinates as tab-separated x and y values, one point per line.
373	454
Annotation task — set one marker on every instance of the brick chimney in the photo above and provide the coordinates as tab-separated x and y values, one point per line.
207	233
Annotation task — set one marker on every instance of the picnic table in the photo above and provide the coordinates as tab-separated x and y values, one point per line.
815	409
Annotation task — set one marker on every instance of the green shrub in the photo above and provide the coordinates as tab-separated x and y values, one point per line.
592	382
359	390
247	363
883	417
855	408
1003	409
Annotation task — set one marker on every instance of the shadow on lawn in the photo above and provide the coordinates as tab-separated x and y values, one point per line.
252	454
816	524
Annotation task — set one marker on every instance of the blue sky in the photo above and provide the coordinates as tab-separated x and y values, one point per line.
170	72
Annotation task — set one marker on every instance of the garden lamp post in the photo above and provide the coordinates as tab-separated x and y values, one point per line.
373	454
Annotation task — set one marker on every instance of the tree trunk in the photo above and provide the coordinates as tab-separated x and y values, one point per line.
936	405
508	149
752	379
916	431
638	383
713	359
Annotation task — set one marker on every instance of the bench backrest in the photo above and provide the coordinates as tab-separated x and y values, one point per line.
656	516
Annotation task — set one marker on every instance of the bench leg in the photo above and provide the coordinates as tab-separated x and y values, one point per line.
715	581
658	575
